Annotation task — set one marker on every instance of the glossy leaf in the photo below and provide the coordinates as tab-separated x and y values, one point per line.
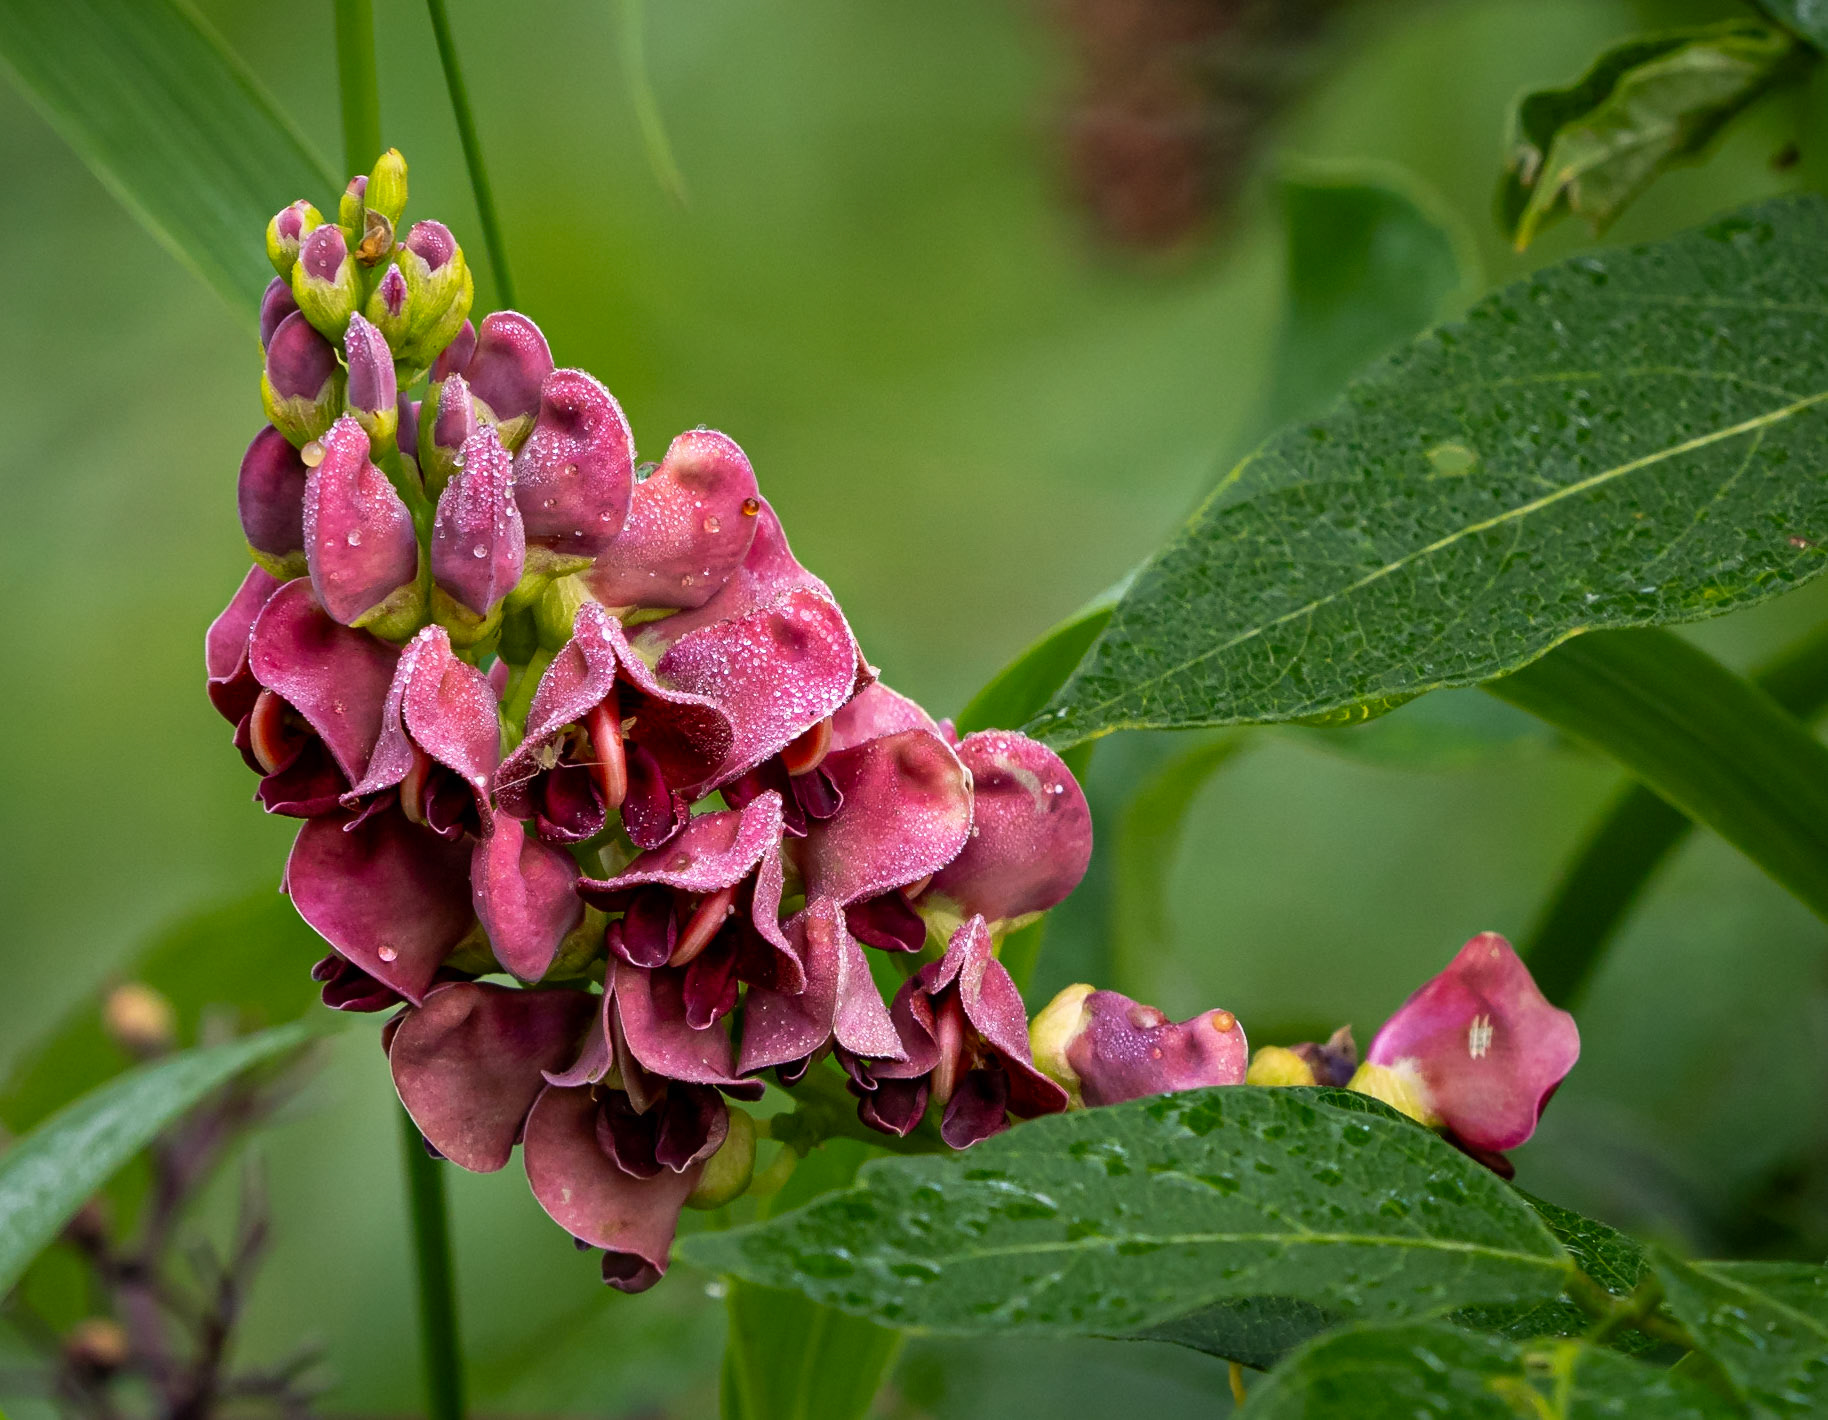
47	1175
1400	1372
172	122
1111	1220
1651	412
1636	836
1806	18
1765	1324
1709	741
249	957
1643	106
1373	257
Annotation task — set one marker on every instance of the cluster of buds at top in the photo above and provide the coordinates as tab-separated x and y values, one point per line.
553	719
1476	1052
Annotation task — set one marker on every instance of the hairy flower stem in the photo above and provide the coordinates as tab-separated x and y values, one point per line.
437	1290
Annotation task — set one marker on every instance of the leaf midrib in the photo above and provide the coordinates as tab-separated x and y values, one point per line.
1701	441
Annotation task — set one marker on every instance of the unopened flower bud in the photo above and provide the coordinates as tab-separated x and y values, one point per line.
373	395
447	418
510	363
439	290
359	540
479	546
1401	1087
276	304
97	1345
270	493
286	233
301	387
1278	1065
1104	1048
388	307
574	476
386	191
140	1020
350	205
324	282
728	1172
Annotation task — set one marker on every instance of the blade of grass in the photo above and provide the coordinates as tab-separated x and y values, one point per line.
647	107
472	153
1708	741
358	84
438	1330
1636	836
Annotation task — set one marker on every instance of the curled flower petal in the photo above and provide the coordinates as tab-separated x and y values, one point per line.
276	304
994	1009
510	361
840	1003
574	476
346	987
335	678
1487	1048
1031	830
232	686
907	808
391	897
687	529
469	1063
444	709
359	538
875	712
650	1014
525	896
479	546
585	1193
1105	1048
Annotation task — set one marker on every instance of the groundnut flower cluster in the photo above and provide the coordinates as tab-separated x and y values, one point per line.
599	796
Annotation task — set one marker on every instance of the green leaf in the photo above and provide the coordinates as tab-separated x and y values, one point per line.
1764	1323
1373	257
174	124
1110	1220
1709	741
1634	838
1593	147
47	1175
1626	439
1400	1372
1018	691
1807	18
248	958
1148	842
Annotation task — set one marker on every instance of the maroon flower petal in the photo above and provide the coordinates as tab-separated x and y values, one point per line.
1125	1050
875	712
270	495
1488	1047
232	686
650	1013
510	362
595	1055
887	922
994	1008
907	813
391	897
1031	831
346	987
979	1107
588	1196
524	893
479	546
359	538
335	677
575	474
687	527
469	1063
840	1003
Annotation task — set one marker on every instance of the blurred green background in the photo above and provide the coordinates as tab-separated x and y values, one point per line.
972	416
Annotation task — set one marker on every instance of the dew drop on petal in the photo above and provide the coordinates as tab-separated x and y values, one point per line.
751	506
312	454
712	525
354	538
387	954
479	551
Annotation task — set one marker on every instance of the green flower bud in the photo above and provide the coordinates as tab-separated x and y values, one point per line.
439	291
325	282
387	186
728	1171
1053	1028
350	207
287	231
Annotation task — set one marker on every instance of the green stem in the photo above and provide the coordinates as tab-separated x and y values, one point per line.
357	81
1711	743
1637	834
472	153
437	1292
